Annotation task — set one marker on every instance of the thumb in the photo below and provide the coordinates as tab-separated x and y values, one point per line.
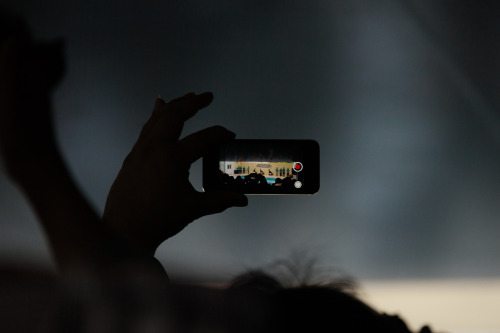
218	201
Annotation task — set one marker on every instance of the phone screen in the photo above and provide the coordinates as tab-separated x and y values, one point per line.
263	167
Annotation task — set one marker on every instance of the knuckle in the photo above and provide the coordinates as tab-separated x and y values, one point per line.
130	158
217	129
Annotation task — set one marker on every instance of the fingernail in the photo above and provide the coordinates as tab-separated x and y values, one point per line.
159	102
208	95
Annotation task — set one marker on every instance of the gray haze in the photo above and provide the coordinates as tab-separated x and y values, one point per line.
401	95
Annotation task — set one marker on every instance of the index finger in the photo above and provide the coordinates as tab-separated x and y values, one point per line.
191	104
194	146
170	117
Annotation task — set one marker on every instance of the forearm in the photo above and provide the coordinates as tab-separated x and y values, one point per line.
77	237
74	231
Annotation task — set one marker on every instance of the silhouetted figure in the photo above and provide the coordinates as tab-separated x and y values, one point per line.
278	182
288	183
109	278
312	308
239	181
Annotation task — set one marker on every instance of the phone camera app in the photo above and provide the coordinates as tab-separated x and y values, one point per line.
263	167
297	166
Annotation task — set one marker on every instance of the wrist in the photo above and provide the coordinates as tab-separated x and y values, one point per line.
28	167
129	236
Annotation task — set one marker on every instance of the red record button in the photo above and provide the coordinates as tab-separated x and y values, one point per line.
297	166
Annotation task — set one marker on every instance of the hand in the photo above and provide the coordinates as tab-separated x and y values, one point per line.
152	199
28	73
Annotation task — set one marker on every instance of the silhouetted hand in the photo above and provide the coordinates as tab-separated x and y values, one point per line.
28	73
152	199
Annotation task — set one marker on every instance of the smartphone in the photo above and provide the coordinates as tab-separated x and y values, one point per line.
263	167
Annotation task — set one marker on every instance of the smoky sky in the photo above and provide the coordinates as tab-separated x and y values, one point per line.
401	95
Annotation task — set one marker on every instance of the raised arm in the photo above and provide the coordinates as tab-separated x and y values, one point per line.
29	72
151	199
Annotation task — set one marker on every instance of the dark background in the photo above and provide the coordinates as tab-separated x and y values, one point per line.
401	95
